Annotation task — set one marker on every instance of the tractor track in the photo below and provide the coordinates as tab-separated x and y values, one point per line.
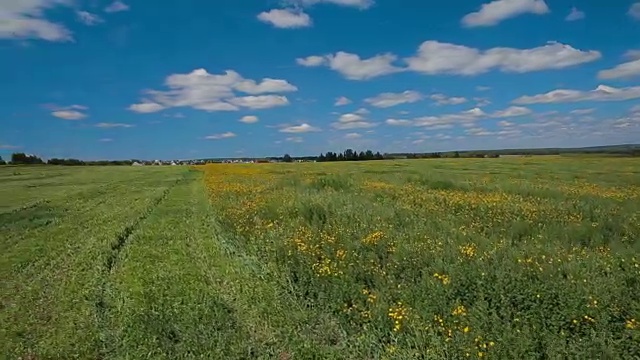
121	241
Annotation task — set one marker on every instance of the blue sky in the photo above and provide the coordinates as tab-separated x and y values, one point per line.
96	79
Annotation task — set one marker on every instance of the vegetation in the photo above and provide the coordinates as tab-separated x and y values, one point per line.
22	158
520	258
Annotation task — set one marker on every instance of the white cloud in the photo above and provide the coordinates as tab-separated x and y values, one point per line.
443	58
505	123
483	88
295	139
8	147
346	118
88	18
24	19
106	140
442	99
574	15
341	101
582	111
286	18
362	111
512	111
601	93
267	85
447	119
302	128
69	114
311	61
465	118
260	102
632	54
498	10
352	67
352	121
226	135
634	11
249	119
624	70
210	92
482	102
146	107
362	4
398	122
386	100
113	125
116	6
352	136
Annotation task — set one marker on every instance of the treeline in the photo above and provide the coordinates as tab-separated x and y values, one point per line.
29	159
350	155
76	162
26	159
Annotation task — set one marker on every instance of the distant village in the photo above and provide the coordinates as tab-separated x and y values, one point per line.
213	161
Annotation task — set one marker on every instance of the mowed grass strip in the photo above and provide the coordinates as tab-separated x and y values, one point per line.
181	289
53	260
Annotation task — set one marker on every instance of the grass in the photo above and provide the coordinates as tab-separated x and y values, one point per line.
520	258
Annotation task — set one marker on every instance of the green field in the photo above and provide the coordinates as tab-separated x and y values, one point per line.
519	258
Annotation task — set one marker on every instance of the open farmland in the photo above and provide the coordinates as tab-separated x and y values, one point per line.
522	258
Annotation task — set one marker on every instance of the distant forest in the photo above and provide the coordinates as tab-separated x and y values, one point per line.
350	155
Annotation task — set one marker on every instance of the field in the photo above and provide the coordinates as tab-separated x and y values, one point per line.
521	258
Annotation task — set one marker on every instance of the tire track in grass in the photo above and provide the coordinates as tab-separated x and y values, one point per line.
116	248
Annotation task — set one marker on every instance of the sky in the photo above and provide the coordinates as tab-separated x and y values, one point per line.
104	79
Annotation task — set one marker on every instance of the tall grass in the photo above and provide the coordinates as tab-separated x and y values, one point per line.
457	261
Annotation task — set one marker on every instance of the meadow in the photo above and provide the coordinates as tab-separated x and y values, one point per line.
519	258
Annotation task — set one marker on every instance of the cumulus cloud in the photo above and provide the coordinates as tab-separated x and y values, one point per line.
442	99
362	4
302	128
24	19
434	57
499	10
352	121
465	118
582	111
210	92
226	135
398	122
249	119
88	18
260	102
625	70
286	18
601	93
574	15
295	139
388	99
352	136
116	6
8	147
311	61
634	11
341	101
512	111
352	67
73	112
362	111
146	107
105	125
